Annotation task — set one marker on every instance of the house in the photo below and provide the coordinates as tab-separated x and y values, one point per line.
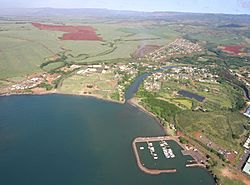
247	143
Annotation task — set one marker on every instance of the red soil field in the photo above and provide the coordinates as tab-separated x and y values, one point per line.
72	32
80	36
235	49
198	135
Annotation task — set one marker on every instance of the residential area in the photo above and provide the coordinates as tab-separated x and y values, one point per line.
178	47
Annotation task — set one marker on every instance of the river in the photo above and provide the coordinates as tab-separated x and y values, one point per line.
133	88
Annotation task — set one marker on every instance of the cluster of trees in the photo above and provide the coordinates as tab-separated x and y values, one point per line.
161	108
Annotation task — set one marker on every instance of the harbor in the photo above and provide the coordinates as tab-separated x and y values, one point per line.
164	154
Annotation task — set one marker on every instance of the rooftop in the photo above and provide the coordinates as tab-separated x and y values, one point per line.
246	168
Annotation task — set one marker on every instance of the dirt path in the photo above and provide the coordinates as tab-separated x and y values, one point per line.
232	174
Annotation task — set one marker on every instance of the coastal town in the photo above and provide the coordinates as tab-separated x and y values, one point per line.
42	83
110	81
189	87
203	75
161	88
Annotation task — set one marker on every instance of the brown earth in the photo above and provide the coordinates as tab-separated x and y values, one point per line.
232	174
72	32
145	49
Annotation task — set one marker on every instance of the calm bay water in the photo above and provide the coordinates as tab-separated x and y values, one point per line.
71	140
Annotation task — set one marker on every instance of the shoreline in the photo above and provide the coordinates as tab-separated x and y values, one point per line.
61	93
134	102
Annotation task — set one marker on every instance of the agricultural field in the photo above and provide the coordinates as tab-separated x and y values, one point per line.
71	32
23	49
25	46
165	32
219	38
234	49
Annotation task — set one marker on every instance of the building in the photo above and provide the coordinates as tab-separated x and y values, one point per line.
246	168
247	113
247	143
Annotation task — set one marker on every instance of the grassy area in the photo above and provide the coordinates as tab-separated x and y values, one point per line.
123	50
90	48
227	181
185	102
218	38
4	83
164	32
19	58
218	96
53	66
23	48
224	128
102	85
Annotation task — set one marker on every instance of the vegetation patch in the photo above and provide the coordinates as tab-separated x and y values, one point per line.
223	128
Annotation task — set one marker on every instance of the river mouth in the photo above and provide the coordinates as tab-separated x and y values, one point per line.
67	140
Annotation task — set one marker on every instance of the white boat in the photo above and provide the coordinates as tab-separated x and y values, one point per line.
152	149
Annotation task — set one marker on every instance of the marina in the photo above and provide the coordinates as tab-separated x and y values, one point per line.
164	154
167	151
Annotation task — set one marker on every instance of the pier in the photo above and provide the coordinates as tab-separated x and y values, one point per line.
198	161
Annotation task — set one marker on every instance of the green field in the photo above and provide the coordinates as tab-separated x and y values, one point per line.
23	48
218	38
53	66
223	128
227	181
